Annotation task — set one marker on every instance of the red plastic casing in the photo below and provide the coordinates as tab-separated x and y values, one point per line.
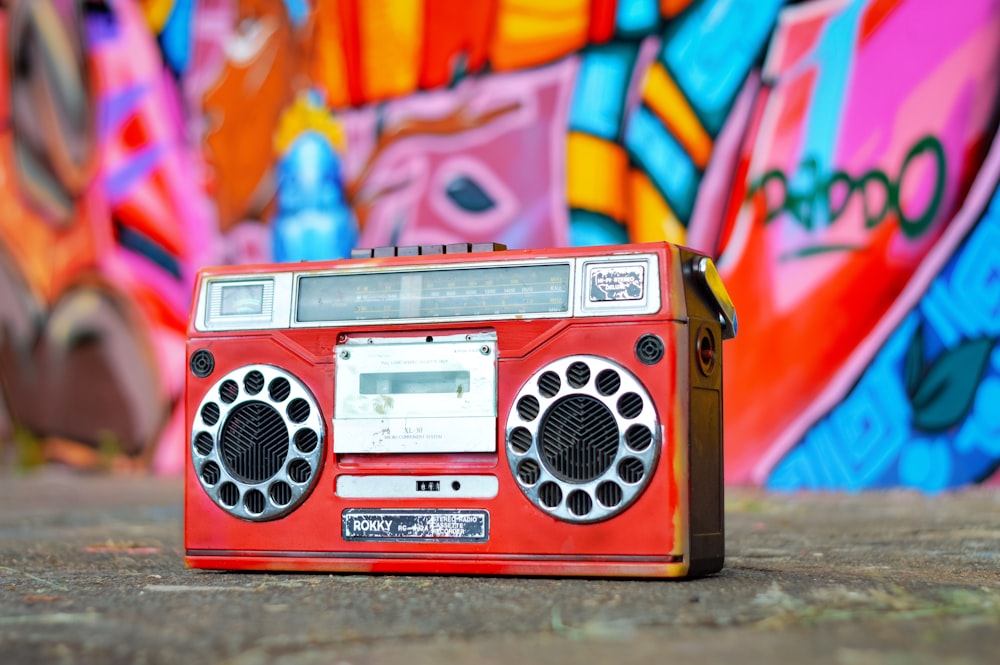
673	529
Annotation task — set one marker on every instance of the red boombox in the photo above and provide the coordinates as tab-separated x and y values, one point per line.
460	409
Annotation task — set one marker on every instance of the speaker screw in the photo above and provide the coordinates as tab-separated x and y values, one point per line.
485	350
345	354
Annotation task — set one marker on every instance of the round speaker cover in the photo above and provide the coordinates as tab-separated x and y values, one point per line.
257	442
582	438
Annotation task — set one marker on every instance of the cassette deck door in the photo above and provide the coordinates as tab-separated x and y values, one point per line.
416	395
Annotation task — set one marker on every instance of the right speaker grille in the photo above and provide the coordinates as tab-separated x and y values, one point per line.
579	438
582	438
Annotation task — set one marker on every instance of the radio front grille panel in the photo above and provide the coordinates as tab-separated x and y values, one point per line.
254	442
582	438
579	438
257	442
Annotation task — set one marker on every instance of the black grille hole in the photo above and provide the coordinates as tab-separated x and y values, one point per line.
254	442
202	363
229	494
549	384
578	374
280	493
298	410
211	473
255	502
608	382
528	472
578	438
550	495
629	405
649	349
210	414
253	382
520	440
299	471
609	494
579	503
306	440
631	470
204	443
527	407
638	437
280	389
229	391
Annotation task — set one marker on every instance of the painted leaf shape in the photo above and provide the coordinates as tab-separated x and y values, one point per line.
945	393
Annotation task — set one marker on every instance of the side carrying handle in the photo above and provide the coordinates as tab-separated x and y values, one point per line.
704	268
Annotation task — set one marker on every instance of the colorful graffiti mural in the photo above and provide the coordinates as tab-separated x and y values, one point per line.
838	157
100	233
858	170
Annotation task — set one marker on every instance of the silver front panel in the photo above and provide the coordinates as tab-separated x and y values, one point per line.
247	302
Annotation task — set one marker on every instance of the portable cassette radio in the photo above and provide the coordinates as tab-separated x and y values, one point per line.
459	409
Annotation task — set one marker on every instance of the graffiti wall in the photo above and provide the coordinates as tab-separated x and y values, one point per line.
101	228
860	250
839	158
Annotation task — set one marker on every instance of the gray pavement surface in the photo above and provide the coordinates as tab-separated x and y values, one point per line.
91	571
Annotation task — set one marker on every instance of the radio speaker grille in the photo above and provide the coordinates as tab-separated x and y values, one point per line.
582	439
254	442
257	452
579	438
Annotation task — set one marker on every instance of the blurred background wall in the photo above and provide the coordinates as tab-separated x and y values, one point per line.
839	158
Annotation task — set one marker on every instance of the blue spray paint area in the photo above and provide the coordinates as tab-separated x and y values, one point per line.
313	222
923	415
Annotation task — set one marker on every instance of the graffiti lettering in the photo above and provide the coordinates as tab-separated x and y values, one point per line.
813	193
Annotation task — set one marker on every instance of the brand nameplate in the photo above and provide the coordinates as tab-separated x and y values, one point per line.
625	282
430	525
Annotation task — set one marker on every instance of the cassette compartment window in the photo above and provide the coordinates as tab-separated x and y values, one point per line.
498	291
414	383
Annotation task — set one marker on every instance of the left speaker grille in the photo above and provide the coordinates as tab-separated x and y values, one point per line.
257	452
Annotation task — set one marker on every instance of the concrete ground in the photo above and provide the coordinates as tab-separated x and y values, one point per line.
91	571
